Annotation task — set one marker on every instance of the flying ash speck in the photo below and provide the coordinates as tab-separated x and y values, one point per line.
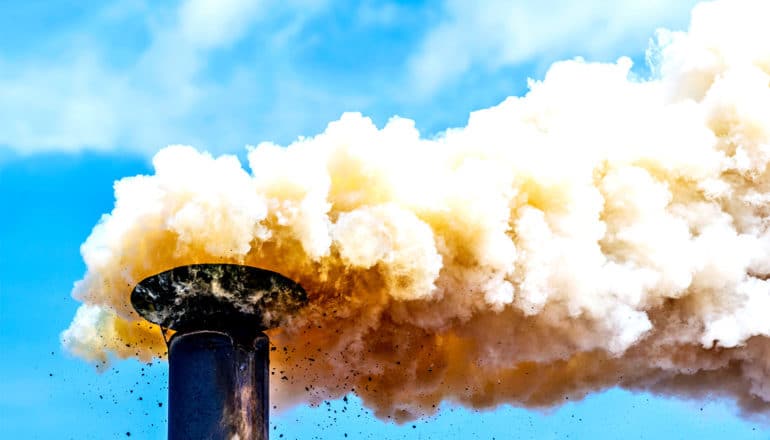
600	231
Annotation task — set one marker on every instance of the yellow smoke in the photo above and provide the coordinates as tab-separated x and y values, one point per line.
598	231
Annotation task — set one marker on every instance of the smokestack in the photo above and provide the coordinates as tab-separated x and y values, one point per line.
219	356
601	231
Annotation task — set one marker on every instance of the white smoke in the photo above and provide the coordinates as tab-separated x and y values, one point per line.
601	230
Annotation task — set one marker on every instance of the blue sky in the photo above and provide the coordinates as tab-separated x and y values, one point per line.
89	92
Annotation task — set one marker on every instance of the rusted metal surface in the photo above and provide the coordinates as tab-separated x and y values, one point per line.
218	388
218	357
226	297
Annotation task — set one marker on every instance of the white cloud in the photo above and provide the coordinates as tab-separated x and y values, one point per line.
498	33
62	107
371	13
78	99
176	84
213	23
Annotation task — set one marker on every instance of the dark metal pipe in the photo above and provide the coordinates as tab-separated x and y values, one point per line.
218	357
218	387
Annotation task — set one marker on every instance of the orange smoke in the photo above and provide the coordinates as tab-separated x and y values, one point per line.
598	231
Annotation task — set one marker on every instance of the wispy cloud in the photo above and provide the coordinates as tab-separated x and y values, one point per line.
498	33
80	99
219	74
210	24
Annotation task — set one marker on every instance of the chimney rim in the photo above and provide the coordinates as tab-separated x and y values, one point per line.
229	298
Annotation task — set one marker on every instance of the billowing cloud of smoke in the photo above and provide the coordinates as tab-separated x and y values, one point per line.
601	230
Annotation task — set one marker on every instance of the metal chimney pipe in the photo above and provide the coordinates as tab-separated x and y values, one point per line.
219	357
218	388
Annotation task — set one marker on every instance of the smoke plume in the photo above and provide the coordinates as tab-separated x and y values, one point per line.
603	230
